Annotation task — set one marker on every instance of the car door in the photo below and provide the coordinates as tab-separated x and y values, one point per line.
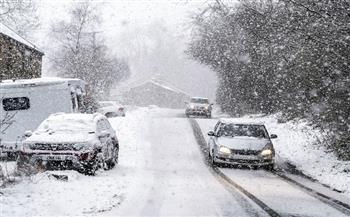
213	138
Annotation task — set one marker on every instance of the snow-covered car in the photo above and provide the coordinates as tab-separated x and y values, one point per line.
241	143
83	142
111	109
198	106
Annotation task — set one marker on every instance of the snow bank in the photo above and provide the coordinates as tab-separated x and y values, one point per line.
300	144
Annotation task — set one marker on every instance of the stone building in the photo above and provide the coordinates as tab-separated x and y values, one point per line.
19	59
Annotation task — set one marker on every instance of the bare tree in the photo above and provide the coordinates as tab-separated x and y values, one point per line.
20	15
82	52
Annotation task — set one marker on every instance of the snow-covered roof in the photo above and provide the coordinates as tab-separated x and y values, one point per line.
41	82
12	34
162	84
236	121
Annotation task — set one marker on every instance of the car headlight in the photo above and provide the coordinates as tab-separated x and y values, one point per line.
192	106
224	150
266	152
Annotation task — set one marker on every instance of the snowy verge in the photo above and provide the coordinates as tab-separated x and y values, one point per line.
300	144
80	195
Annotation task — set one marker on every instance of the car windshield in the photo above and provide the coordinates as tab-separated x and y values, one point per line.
200	100
64	125
258	131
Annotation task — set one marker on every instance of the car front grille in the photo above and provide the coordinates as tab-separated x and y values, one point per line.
52	147
245	152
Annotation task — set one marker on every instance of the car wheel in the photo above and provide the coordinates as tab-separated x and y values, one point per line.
114	160
269	167
90	168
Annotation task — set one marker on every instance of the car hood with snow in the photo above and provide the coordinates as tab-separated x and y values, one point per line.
61	137
243	142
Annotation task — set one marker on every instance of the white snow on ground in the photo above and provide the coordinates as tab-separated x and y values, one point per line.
7	171
175	181
160	172
284	198
80	195
298	143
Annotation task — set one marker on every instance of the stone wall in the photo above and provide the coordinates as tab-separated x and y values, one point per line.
18	61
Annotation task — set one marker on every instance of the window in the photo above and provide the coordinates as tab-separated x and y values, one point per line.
200	100
15	103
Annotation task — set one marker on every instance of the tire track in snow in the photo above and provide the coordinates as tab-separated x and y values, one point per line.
340	206
226	181
332	202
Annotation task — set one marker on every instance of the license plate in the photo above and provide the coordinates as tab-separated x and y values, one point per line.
245	157
55	157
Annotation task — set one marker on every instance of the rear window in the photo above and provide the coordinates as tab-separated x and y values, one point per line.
199	100
15	103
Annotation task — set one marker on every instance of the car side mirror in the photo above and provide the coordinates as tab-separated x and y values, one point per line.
28	133
273	136
211	133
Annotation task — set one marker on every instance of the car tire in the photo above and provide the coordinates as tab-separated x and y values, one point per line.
269	167
90	168
114	160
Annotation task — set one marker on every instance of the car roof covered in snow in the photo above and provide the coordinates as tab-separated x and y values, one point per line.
235	121
198	97
83	117
40	82
5	30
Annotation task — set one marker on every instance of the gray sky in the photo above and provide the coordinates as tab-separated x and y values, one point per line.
152	34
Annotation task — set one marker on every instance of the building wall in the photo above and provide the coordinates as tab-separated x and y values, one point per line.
18	61
150	94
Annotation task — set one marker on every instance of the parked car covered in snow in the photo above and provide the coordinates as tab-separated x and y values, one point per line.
198	106
111	109
71	141
24	104
241	143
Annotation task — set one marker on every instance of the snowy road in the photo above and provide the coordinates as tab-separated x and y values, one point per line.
162	172
284	198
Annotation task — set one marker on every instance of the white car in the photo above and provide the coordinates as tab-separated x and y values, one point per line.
199	106
71	141
241	143
111	109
